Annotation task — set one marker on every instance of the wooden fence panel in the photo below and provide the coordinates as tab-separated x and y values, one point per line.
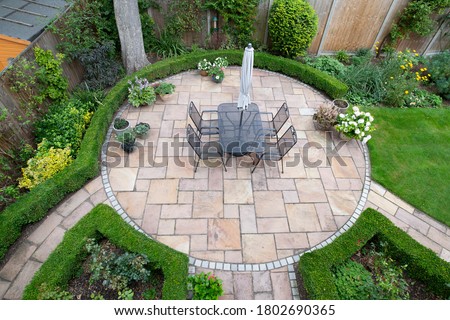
354	24
323	10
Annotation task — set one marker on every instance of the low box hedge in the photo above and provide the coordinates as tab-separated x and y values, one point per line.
103	221
34	205
423	264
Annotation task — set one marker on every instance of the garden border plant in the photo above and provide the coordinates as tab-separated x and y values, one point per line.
34	205
103	221
423	264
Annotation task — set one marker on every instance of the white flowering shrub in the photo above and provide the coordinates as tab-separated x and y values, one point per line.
204	65
356	124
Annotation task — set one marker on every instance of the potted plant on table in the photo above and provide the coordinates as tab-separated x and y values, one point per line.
120	125
127	140
325	117
204	66
355	125
141	92
141	129
164	88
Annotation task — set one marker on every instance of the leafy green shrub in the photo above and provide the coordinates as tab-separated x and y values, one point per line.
422	99
50	74
66	260
292	27
116	271
167	45
205	286
353	281
164	88
47	293
101	67
343	56
141	129
64	125
44	165
328	65
423	264
140	92
238	19
439	66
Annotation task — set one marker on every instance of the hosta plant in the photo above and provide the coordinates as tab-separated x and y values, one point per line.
141	92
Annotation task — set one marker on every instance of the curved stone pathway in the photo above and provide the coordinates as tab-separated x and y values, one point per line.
267	278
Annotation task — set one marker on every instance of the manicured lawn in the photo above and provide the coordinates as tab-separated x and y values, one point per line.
410	154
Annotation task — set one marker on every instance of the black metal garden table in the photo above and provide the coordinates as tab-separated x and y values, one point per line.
240	132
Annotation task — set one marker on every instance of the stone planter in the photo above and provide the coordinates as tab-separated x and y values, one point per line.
119	131
341	104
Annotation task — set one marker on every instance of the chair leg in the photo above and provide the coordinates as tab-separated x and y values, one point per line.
224	166
227	158
282	166
196	164
256	164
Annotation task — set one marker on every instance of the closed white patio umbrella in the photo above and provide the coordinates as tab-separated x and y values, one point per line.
246	78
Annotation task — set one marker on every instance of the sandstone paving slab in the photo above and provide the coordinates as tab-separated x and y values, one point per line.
291	240
272	225
123	179
341	202
231	211
150	220
185	197
258	248
209	255
227	280
42	232
98	197
175	211
158	172
133	203
191	226
269	204
439	237
326	217
238	192
94	185
166	227
4	285
163	191
224	234
52	241
302	217
199	242
445	254
179	243
243	286
233	256
383	203
77	214
315	238
207	204
412	221
72	202
291	197
328	179
344	167
433	223
310	190
281	184
262	281
247	219
281	286
17	261
15	291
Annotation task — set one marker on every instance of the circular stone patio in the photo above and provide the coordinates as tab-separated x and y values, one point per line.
236	220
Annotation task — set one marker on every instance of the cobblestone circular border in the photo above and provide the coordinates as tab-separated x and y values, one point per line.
245	267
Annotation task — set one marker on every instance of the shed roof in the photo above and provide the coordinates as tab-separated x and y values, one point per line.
25	19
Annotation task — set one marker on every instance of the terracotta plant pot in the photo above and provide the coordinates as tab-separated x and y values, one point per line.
203	73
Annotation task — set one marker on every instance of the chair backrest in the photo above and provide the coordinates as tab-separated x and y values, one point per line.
195	115
281	117
287	141
194	140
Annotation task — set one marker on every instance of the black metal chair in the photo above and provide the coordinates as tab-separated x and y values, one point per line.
203	150
204	126
276	151
275	123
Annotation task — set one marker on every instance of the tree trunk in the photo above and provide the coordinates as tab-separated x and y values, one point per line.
130	34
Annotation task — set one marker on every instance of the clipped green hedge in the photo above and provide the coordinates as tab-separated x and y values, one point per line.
103	221
423	264
34	205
